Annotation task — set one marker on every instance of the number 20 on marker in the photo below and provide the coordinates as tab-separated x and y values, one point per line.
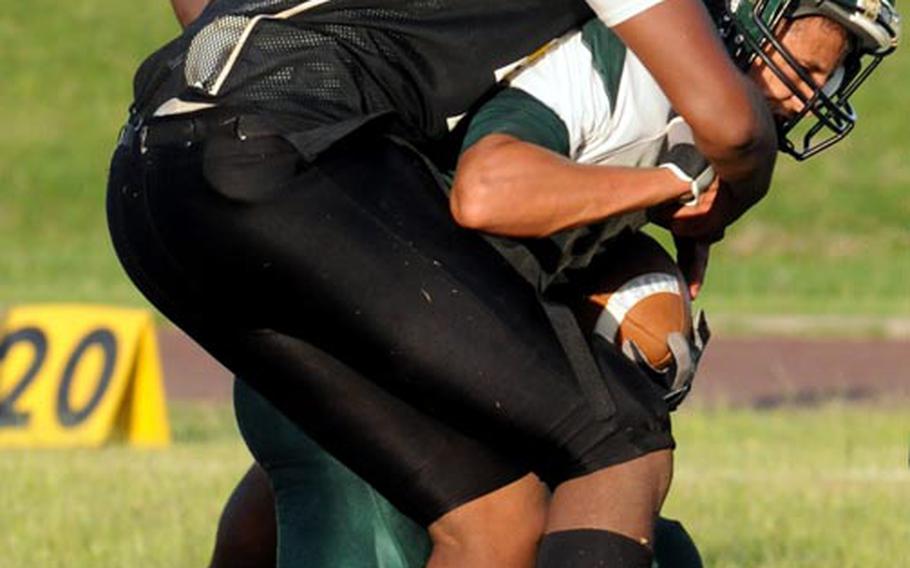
73	375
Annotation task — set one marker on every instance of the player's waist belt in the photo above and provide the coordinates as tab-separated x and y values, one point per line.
189	130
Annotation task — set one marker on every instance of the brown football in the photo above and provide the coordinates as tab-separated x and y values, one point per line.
635	291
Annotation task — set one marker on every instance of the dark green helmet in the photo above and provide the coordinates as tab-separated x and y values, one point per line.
747	27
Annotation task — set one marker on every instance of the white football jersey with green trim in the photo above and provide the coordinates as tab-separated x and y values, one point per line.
614	112
613	109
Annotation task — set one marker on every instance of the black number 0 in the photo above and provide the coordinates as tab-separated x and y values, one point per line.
9	416
103	338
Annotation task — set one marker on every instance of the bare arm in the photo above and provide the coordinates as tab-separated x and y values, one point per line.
188	10
509	187
678	43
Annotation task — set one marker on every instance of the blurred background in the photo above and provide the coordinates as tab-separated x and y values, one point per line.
793	450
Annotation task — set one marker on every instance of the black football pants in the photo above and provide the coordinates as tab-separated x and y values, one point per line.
343	291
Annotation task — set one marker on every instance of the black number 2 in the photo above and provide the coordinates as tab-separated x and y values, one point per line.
9	416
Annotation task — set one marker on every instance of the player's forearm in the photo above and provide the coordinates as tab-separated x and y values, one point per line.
746	172
678	43
188	10
512	188
747	185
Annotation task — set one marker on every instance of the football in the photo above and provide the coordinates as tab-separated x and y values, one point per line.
635	291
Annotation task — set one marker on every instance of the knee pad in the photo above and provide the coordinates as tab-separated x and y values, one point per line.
591	548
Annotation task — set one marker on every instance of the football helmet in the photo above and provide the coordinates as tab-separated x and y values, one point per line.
747	28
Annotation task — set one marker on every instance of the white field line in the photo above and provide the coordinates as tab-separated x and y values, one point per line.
821	325
862	475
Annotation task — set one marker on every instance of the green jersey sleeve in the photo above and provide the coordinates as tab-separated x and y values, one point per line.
517	113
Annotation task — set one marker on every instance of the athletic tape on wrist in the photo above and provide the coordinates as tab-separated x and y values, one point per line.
696	186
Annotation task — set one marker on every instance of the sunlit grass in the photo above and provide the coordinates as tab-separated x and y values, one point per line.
791	487
795	487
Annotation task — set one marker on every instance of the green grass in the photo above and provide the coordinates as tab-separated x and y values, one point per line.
67	72
118	506
832	237
783	488
795	488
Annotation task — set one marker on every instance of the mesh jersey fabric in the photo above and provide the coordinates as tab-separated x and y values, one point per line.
332	68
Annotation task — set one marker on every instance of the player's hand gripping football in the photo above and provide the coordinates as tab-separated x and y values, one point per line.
692	258
703	215
634	296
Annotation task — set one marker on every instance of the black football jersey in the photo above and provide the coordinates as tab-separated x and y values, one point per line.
328	66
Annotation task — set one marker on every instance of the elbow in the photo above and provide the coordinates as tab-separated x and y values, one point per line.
481	179
733	129
742	137
469	202
747	135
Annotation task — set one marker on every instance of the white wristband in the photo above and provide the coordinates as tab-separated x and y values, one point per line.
696	186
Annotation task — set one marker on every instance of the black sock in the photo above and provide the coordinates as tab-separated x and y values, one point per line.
590	548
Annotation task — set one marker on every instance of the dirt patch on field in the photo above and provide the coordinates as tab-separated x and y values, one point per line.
189	372
769	372
758	372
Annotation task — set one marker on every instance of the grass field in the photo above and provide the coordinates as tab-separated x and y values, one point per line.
788	488
795	488
833	236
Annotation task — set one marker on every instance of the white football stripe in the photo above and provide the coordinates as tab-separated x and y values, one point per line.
629	294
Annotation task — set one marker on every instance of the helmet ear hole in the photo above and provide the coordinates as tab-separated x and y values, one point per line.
834	82
852	64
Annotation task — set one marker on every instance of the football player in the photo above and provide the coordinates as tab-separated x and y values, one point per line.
526	169
271	196
590	101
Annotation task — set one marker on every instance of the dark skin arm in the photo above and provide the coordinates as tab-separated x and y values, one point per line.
732	124
509	187
689	226
188	10
505	187
694	229
692	258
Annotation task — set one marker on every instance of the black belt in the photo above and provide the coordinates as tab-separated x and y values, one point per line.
191	129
